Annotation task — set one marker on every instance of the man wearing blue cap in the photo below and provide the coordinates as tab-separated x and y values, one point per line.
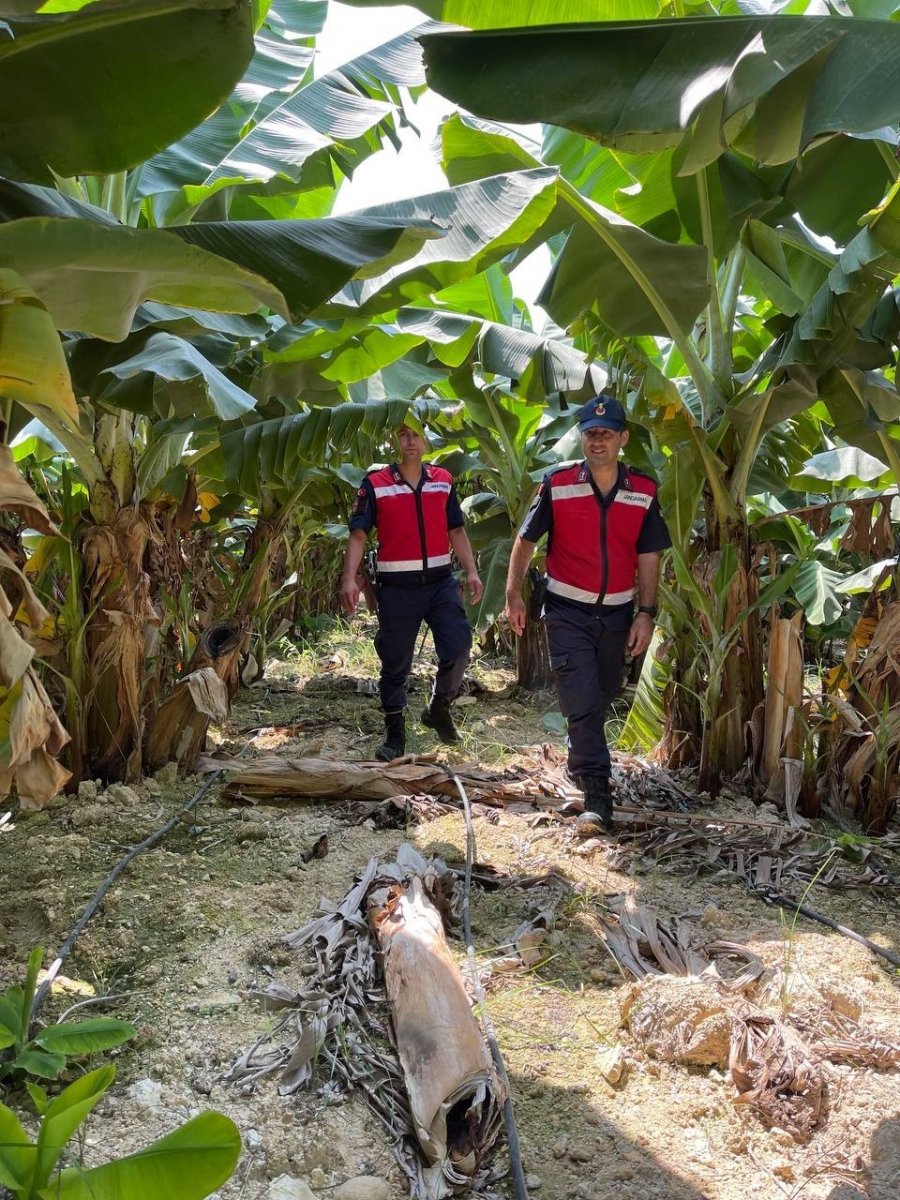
605	536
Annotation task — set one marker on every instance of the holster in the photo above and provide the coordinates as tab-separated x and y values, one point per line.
537	589
369	584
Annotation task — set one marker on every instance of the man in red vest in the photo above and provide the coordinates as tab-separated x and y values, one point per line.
606	533
414	507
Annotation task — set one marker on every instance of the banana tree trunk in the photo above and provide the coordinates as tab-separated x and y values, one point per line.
683	727
179	728
120	627
532	657
739	686
714	692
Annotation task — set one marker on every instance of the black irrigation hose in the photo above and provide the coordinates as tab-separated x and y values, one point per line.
94	903
509	1116
773	897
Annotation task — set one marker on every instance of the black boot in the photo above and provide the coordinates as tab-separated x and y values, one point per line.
598	806
394	744
437	717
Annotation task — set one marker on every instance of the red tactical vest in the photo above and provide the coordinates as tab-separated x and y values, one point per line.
412	524
593	550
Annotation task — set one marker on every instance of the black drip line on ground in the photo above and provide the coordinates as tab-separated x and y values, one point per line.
149	843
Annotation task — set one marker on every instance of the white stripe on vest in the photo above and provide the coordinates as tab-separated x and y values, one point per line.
576	593
393	489
571	491
415	564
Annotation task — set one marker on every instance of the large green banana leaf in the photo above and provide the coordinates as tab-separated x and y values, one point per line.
844	467
369	351
827	330
358	350
341	106
489	294
784	265
636	282
647	190
283	54
256	139
503	349
30	200
33	369
306	261
284	41
271	453
92	277
865	411
311	261
498	14
815	587
100	90
837	180
485	220
189	1163
174	359
408	376
769	86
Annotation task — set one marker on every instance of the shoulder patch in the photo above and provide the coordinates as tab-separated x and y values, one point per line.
362	501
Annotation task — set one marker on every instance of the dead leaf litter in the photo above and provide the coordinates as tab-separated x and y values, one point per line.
666	1031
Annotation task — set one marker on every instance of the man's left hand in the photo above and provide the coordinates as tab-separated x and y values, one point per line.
474	587
640	634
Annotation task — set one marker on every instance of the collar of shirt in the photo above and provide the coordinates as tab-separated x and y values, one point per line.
398	478
622	481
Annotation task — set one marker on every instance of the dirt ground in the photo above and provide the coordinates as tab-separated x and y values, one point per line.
195	925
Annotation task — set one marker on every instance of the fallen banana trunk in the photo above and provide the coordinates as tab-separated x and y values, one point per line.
524	789
455	1097
323	779
427	1077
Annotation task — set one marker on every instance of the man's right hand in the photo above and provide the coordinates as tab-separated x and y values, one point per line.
515	614
349	595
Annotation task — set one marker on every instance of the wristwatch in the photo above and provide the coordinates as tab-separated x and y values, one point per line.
649	609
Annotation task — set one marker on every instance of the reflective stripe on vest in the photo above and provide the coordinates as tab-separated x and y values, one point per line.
592	555
575	593
411	524
414	564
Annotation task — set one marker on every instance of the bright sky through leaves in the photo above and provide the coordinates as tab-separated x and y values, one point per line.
415	171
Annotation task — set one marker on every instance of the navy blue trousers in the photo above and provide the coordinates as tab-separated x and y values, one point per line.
401	611
587	653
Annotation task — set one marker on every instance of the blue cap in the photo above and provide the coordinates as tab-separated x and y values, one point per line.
602	412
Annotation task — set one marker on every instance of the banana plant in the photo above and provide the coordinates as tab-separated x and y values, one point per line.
286	465
155	374
740	319
187	1164
105	90
44	1055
